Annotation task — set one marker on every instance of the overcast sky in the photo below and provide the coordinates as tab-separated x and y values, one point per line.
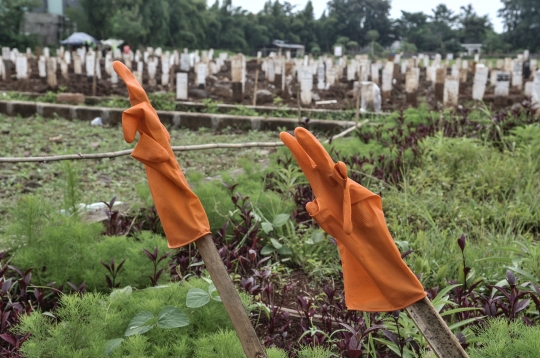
482	7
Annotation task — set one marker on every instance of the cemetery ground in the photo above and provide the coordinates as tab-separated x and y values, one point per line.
461	195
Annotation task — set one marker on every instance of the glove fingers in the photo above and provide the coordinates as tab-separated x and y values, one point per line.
136	92
303	160
314	149
130	124
148	150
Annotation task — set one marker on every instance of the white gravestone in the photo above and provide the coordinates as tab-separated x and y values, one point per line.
306	85
536	89
182	86
21	67
371	95
42	66
502	88
451	92
480	81
202	71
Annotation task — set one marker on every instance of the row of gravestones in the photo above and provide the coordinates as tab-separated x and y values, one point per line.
281	70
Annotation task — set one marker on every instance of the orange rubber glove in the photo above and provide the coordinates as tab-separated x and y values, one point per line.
376	278
180	210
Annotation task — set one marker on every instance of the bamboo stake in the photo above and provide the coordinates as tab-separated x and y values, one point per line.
357	114
440	338
256	82
298	104
242	325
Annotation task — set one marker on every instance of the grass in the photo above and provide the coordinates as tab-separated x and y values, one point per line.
102	179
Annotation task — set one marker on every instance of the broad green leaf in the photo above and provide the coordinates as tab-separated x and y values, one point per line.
276	244
112	344
267	250
284	250
122	292
280	220
197	297
317	236
172	317
136	325
267	227
211	289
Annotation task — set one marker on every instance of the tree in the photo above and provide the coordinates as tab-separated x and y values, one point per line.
11	18
443	25
474	28
354	18
521	20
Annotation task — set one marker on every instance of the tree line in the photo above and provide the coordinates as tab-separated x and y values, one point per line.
355	24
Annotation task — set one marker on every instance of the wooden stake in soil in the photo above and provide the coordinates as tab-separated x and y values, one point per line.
250	342
440	76
440	338
256	79
357	114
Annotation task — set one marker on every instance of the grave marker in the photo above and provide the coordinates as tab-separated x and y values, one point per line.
165	69
202	71
480	80
536	89
387	76
77	65
152	70
42	67
451	92
502	88
375	74
411	86
517	74
320	76
529	86
440	76
182	86
371	97
51	72
21	67
64	69
306	85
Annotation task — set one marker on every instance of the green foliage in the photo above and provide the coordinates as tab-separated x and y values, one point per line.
504	339
49	97
115	102
162	101
11	18
72	194
93	323
63	249
315	352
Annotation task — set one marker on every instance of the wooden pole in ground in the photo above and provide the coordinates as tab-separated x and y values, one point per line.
357	114
94	79
256	82
298	103
245	331
440	338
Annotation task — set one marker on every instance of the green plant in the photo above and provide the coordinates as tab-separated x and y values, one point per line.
67	250
90	325
210	106
162	101
503	339
71	185
49	97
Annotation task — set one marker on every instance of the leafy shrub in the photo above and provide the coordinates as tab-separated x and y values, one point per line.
504	339
162	101
66	250
83	326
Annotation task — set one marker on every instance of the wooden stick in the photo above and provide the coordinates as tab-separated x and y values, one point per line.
120	153
179	148
256	83
357	114
245	331
440	338
298	103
